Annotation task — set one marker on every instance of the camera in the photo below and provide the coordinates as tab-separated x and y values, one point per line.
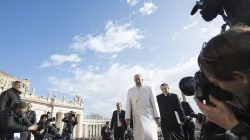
200	5
201	88
199	117
72	114
50	119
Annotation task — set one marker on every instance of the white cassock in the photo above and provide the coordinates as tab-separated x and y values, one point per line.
142	102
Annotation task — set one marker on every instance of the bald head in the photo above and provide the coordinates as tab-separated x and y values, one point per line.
138	80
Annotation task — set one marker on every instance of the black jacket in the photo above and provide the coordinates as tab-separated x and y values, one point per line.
106	133
69	125
236	10
121	117
8	98
168	105
49	130
11	123
31	116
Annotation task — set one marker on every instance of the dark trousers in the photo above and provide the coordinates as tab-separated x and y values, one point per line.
119	133
172	135
24	135
66	136
188	129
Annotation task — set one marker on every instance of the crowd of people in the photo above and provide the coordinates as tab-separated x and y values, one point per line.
224	60
145	113
18	120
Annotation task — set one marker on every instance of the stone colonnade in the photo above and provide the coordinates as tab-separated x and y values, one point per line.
92	130
92	127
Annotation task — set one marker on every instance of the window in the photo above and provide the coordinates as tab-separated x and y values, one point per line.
11	83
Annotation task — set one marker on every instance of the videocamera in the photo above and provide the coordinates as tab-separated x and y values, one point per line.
72	114
200	5
50	119
201	88
199	117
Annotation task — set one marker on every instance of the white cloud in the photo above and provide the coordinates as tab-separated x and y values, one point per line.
115	39
73	65
175	34
132	2
203	30
57	59
210	31
93	68
186	27
114	56
148	8
112	85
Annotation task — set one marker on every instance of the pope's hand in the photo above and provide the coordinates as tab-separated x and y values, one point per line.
158	122
220	114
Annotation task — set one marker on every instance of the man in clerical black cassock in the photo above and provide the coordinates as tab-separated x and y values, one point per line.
172	115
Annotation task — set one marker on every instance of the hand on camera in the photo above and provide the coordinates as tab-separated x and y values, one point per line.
32	127
41	131
220	114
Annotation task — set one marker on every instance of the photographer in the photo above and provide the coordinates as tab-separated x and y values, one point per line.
45	130
11	121
225	62
237	10
70	120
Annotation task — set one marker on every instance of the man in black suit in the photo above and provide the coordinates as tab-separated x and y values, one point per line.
172	116
118	123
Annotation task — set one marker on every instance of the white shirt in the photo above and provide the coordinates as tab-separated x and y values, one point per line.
119	124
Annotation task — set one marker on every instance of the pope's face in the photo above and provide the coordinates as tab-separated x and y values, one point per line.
138	80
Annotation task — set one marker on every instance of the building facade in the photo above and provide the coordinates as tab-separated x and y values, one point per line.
86	128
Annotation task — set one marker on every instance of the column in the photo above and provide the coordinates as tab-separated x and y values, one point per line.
62	124
79	126
101	130
90	135
89	131
95	130
97	133
59	122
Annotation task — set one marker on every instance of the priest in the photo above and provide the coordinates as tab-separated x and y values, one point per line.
146	116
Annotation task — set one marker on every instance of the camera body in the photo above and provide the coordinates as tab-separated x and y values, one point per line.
72	114
50	119
200	5
201	88
199	117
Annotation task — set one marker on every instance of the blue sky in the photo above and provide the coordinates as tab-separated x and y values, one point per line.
92	48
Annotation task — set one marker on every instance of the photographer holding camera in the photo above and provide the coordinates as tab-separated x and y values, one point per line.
70	120
225	61
45	130
12	121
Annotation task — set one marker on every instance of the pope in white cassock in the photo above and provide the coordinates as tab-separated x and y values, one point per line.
146	116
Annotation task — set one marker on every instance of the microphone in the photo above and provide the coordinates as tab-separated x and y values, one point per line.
197	6
195	9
